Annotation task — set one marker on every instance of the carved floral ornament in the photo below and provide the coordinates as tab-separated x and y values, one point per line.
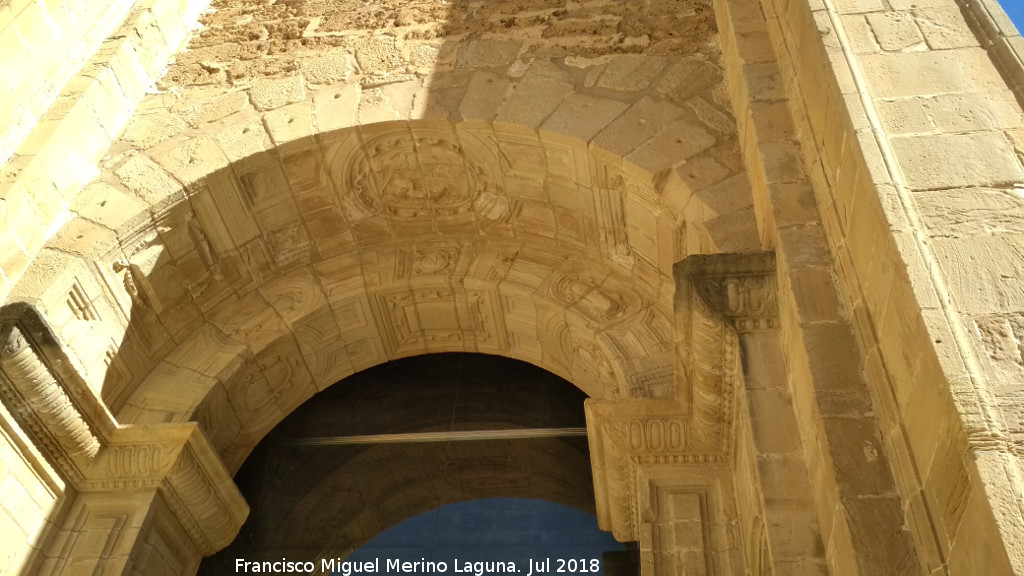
54	407
717	297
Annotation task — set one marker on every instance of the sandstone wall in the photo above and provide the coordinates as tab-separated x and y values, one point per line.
72	73
314	188
30	492
911	138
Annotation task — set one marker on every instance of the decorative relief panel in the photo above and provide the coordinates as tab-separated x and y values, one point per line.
407	176
627	436
80	304
424	319
599	295
31	388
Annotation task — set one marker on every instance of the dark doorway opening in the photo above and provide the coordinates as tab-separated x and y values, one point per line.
412	437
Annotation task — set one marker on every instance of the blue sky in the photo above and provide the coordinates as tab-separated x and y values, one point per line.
1015	8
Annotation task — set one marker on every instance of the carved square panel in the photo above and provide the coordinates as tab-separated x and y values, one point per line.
426	319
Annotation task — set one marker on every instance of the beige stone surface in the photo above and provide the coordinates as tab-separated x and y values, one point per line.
312	189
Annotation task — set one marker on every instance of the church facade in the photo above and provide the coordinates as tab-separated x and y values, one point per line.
779	244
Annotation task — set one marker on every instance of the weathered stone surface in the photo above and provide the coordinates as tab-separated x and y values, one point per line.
315	188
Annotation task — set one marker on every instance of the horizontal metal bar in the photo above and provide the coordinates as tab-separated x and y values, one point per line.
450	436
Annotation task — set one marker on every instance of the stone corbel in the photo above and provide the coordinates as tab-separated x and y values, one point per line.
739	288
73	430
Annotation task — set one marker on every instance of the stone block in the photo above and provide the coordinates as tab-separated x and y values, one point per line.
335	108
670	147
108	206
374	107
764	82
833	356
782	162
190	161
936	72
289	123
484	96
329	67
814	289
859	6
862	39
896	31
270	94
130	72
784	482
905	116
582	116
144	177
957	161
773	422
881	537
637	125
944	26
803	246
984	273
533	99
489	53
201	106
630	72
793	203
973	112
970	211
145	130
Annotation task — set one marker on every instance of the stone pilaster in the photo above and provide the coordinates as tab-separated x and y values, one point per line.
650	488
776	512
140	499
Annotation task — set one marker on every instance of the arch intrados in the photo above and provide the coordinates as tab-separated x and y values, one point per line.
313	499
182	257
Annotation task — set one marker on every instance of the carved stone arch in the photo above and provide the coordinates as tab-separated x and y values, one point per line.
248	287
638	445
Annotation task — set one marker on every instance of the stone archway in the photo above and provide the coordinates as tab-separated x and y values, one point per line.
247	245
406	438
663	467
209	275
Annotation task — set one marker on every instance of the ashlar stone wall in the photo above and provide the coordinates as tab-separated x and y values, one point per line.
313	188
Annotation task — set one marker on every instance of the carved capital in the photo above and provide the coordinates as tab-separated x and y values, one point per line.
740	288
45	395
716	297
51	402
